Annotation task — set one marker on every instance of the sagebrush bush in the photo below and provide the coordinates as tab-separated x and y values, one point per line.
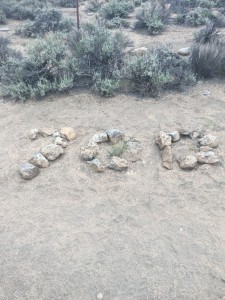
48	67
45	21
208	54
117	23
6	52
3	19
198	16
153	16
15	10
94	5
117	8
158	70
100	55
67	3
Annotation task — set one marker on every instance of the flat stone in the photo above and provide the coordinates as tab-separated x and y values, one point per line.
184	51
89	152
99	138
115	135
184	132
97	165
4	29
39	160
209	140
167	158
61	142
52	151
163	140
28	171
48	131
188	162
69	133
33	133
175	136
118	164
209	157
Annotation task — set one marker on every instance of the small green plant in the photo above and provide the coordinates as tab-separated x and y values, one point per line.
117	149
153	16
45	21
116	8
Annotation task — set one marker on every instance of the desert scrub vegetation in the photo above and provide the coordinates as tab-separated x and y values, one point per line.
3	19
6	52
93	5
45	21
208	54
153	16
196	17
67	3
16	10
47	67
160	69
100	55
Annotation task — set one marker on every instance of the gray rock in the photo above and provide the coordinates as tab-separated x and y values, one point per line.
197	134
97	165
89	152
175	136
184	132
209	140
167	158
4	29
56	134
52	151
48	131
99	138
68	133
28	171
208	157
118	164
39	160
163	140
133	152
184	51
61	142
188	162
115	135
33	133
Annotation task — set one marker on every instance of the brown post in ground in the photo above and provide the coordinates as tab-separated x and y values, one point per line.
78	15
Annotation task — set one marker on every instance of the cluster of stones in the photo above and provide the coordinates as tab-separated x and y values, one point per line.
90	152
206	154
48	153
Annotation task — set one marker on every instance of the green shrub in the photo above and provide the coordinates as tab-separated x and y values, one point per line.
100	55
116	8
198	16
117	23
158	70
94	5
48	67
15	10
118	149
67	3
208	55
6	52
2	17
45	21
153	16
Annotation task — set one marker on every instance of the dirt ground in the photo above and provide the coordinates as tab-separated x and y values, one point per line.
147	233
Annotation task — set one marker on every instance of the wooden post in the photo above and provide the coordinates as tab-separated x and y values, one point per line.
78	15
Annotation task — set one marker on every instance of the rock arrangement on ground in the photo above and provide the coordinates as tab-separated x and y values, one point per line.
48	153
121	151
206	149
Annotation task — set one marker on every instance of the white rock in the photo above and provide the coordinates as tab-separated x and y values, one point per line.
69	133
175	135
100	296
97	165
184	51
28	171
89	152
61	142
209	140
52	151
33	133
99	138
163	140
188	162
39	160
209	157
118	164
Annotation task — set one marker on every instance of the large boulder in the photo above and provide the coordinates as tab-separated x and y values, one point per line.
52	151
28	171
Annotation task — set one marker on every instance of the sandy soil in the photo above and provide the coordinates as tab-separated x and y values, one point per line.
144	234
